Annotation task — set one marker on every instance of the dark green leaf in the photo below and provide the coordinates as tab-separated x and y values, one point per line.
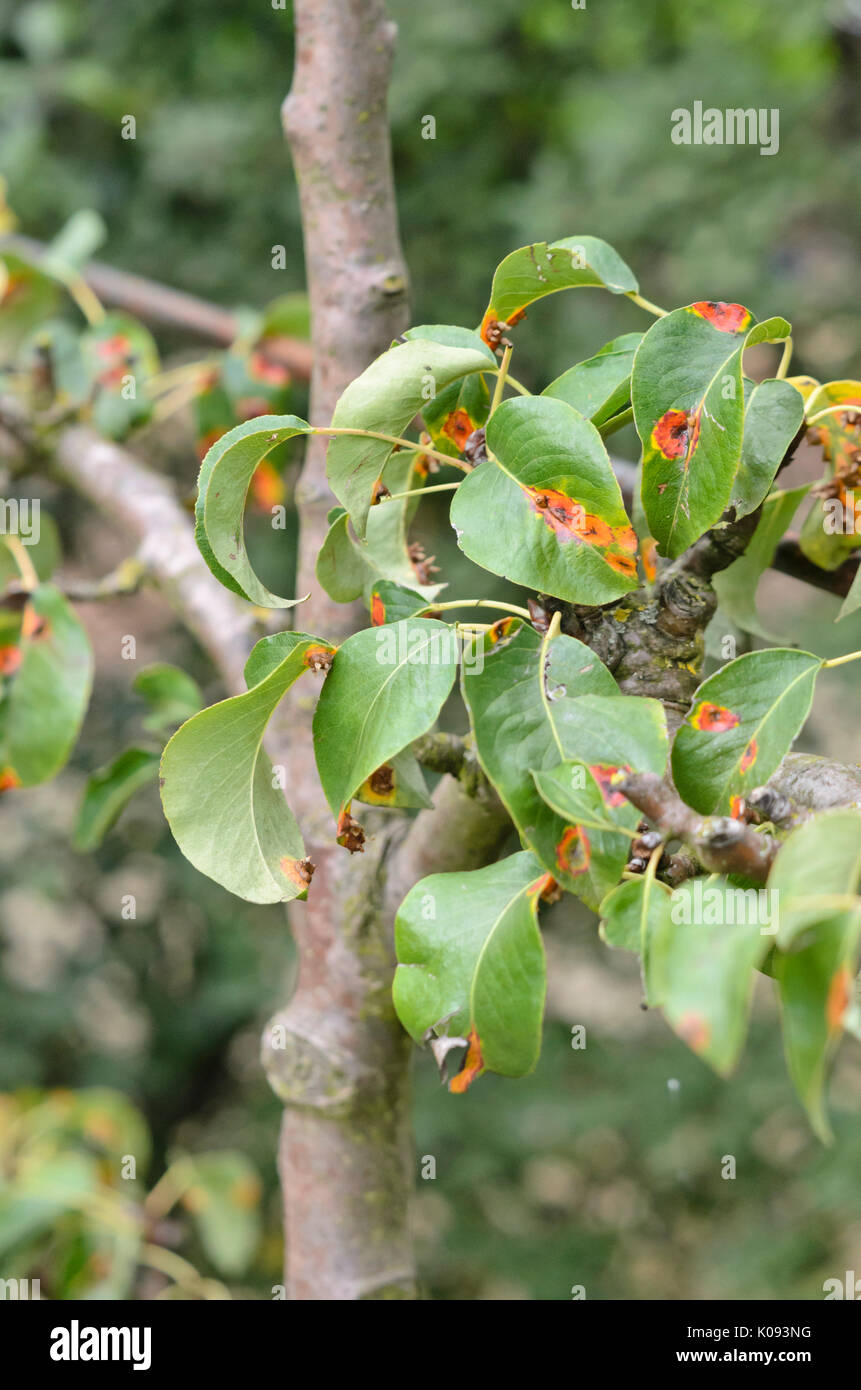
172	695
772	418
598	812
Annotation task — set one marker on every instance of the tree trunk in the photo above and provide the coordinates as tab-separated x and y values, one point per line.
343	1071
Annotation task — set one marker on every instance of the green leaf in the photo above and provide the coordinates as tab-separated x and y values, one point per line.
386	687
521	697
601	386
742	722
703	961
222	488
852	601
172	695
635	917
688	399
107	793
559	521
40	539
598	812
472	963
46	699
348	568
224	1201
541	269
773	414
736	586
385	399
217	786
819	860
815	989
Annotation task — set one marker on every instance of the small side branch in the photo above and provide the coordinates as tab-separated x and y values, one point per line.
721	844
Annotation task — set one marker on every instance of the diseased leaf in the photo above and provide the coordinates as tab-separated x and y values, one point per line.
742	722
223	804
559	523
119	351
223	1197
736	586
222	489
688	400
399	782
471	962
703	962
386	687
815	987
454	412
772	418
585	799
832	528
46	698
109	791
171	694
390	603
601	386
385	399
541	269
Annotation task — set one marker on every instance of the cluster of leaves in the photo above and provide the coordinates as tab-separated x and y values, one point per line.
539	503
75	1211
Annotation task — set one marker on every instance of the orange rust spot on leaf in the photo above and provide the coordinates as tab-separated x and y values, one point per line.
350	833
10	660
568	518
264	368
626	538
473	1066
693	1029
500	629
649	557
623	564
839	995
607	776
737	807
299	871
33	625
573	851
9	779
676	434
458	427
727	318
714	719
748	757
378	611
318	658
546	888
380	788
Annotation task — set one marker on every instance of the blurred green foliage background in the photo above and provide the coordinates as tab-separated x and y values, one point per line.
603	1169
